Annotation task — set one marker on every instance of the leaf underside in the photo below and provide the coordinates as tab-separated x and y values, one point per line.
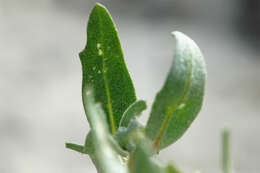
104	67
180	99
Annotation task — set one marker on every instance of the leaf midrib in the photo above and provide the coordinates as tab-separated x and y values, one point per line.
109	106
172	109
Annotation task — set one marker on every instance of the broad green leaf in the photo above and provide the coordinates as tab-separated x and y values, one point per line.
180	99
106	157
104	67
133	110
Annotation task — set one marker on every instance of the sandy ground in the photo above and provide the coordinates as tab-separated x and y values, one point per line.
40	80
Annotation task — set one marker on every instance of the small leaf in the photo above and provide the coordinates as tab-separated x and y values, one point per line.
106	158
180	100
133	110
104	67
88	147
75	147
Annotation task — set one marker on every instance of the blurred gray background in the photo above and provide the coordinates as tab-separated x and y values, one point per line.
40	78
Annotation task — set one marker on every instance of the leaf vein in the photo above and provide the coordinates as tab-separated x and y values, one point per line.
109	105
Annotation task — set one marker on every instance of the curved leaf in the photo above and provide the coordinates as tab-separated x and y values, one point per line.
104	67
133	110
180	99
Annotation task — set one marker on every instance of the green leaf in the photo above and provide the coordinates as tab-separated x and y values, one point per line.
133	110
180	100
75	147
104	67
106	157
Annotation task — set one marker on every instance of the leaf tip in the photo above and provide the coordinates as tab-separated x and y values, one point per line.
177	34
75	147
180	37
174	33
99	6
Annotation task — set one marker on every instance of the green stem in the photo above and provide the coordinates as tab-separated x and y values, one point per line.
226	151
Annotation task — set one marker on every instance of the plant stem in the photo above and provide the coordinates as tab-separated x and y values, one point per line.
226	151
